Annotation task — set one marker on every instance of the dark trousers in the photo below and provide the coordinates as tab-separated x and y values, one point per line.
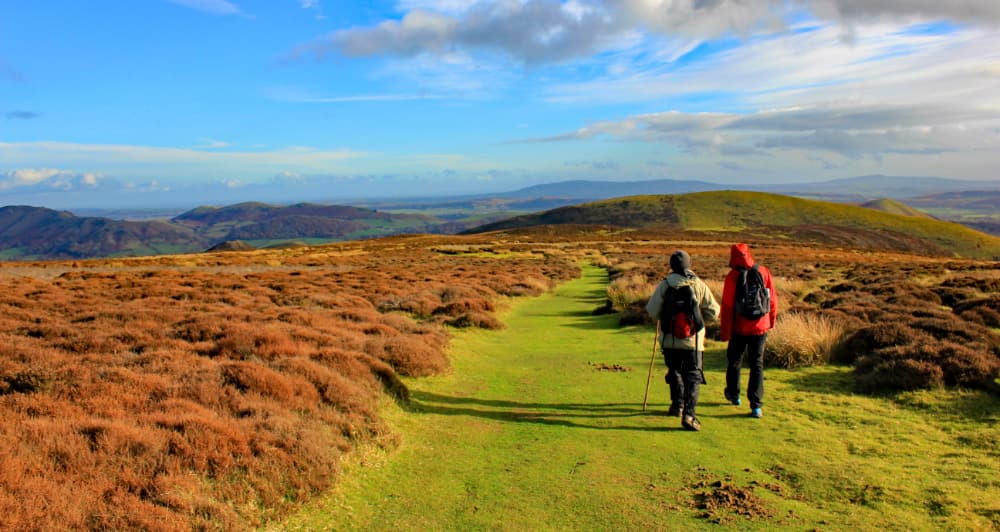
683	377
754	346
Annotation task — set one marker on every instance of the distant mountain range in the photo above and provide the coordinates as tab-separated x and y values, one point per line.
40	233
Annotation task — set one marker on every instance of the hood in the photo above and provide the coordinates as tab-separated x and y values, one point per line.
739	256
676	280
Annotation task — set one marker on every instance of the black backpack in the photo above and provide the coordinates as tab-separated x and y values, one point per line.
753	299
680	315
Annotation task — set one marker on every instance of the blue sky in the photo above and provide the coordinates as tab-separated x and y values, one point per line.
182	102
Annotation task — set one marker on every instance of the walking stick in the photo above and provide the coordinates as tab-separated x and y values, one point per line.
649	377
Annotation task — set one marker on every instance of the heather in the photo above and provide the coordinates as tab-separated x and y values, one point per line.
211	391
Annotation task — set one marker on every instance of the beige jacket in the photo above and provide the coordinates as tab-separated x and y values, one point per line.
706	303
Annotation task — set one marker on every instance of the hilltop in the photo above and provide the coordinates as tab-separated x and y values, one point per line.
761	214
894	207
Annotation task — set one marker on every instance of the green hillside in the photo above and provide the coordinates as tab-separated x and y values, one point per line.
892	206
765	215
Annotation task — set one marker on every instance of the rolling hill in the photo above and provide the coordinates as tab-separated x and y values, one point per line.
759	214
40	233
35	232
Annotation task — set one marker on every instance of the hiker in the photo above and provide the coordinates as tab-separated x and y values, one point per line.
681	303
749	310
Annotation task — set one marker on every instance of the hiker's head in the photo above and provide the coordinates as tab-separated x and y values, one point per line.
739	256
680	262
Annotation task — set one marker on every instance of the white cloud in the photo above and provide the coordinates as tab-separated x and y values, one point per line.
148	162
545	31
217	7
972	11
854	132
533	31
50	178
809	64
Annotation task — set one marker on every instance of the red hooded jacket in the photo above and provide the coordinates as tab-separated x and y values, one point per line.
731	323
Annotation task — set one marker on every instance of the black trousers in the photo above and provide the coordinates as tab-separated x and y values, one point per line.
754	347
683	377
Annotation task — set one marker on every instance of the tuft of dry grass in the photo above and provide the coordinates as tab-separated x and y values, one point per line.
629	291
803	339
715	286
790	289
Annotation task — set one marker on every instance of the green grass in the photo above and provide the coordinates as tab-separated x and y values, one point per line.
740	211
526	434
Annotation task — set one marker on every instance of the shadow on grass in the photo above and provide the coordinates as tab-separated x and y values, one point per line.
968	405
828	382
573	415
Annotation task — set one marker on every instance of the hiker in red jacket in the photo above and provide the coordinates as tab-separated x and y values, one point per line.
749	310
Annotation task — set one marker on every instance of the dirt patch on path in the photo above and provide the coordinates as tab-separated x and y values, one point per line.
722	502
601	366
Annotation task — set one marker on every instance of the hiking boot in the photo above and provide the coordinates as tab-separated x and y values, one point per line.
691	423
732	398
675	411
756	412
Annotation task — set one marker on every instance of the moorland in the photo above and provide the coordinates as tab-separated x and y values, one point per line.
225	390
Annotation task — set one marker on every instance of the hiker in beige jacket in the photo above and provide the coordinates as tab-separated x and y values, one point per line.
681	304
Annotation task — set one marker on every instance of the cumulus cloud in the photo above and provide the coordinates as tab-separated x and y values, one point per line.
533	31
544	31
216	7
47	178
972	11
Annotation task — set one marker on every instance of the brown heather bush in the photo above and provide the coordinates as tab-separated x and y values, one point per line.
474	318
878	375
984	316
207	392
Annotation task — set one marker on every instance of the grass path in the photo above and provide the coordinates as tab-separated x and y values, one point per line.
527	434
